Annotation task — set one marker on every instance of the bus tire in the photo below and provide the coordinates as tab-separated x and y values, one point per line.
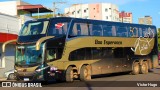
69	74
144	68
85	73
135	68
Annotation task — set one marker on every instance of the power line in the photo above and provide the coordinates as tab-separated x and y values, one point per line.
54	7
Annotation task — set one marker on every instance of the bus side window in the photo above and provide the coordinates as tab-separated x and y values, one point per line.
140	32
152	32
149	32
97	30
51	54
80	29
133	32
107	30
122	32
84	28
114	31
78	54
74	30
145	32
97	53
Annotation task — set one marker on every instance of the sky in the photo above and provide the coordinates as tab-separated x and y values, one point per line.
139	8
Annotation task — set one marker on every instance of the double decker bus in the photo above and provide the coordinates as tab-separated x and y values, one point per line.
66	48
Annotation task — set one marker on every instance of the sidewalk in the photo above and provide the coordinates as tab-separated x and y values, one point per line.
3	79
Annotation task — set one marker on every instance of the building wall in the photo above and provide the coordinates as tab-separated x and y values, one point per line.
9	24
145	20
110	12
127	17
9	63
78	11
95	11
85	11
8	7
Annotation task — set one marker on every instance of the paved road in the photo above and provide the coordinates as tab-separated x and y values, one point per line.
122	81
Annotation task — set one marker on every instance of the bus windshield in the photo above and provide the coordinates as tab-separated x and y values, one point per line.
34	28
28	56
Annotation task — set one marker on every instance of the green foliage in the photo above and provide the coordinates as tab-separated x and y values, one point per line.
44	16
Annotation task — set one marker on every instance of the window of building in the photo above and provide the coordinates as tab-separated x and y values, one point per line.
106	10
73	13
78	12
107	17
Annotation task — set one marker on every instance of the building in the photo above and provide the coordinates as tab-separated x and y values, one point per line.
98	11
125	17
145	20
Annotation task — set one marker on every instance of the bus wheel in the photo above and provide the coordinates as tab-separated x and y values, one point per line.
135	68
85	73
144	68
69	74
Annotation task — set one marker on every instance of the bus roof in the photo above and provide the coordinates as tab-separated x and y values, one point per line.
92	20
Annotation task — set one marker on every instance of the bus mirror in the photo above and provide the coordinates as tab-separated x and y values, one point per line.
38	43
7	42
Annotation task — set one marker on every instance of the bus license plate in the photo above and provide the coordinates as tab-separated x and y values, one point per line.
26	79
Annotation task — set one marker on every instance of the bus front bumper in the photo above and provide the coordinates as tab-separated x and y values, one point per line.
34	76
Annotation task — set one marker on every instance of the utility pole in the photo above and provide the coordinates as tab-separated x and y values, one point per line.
54	7
123	12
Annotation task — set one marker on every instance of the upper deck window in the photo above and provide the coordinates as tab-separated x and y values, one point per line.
109	30
79	29
122	32
34	28
97	30
58	27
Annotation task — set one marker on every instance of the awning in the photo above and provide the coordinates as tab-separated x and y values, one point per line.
6	36
34	8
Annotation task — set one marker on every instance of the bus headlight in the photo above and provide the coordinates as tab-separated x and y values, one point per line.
53	69
38	70
15	70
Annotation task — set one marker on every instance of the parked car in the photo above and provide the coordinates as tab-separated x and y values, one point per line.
10	75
